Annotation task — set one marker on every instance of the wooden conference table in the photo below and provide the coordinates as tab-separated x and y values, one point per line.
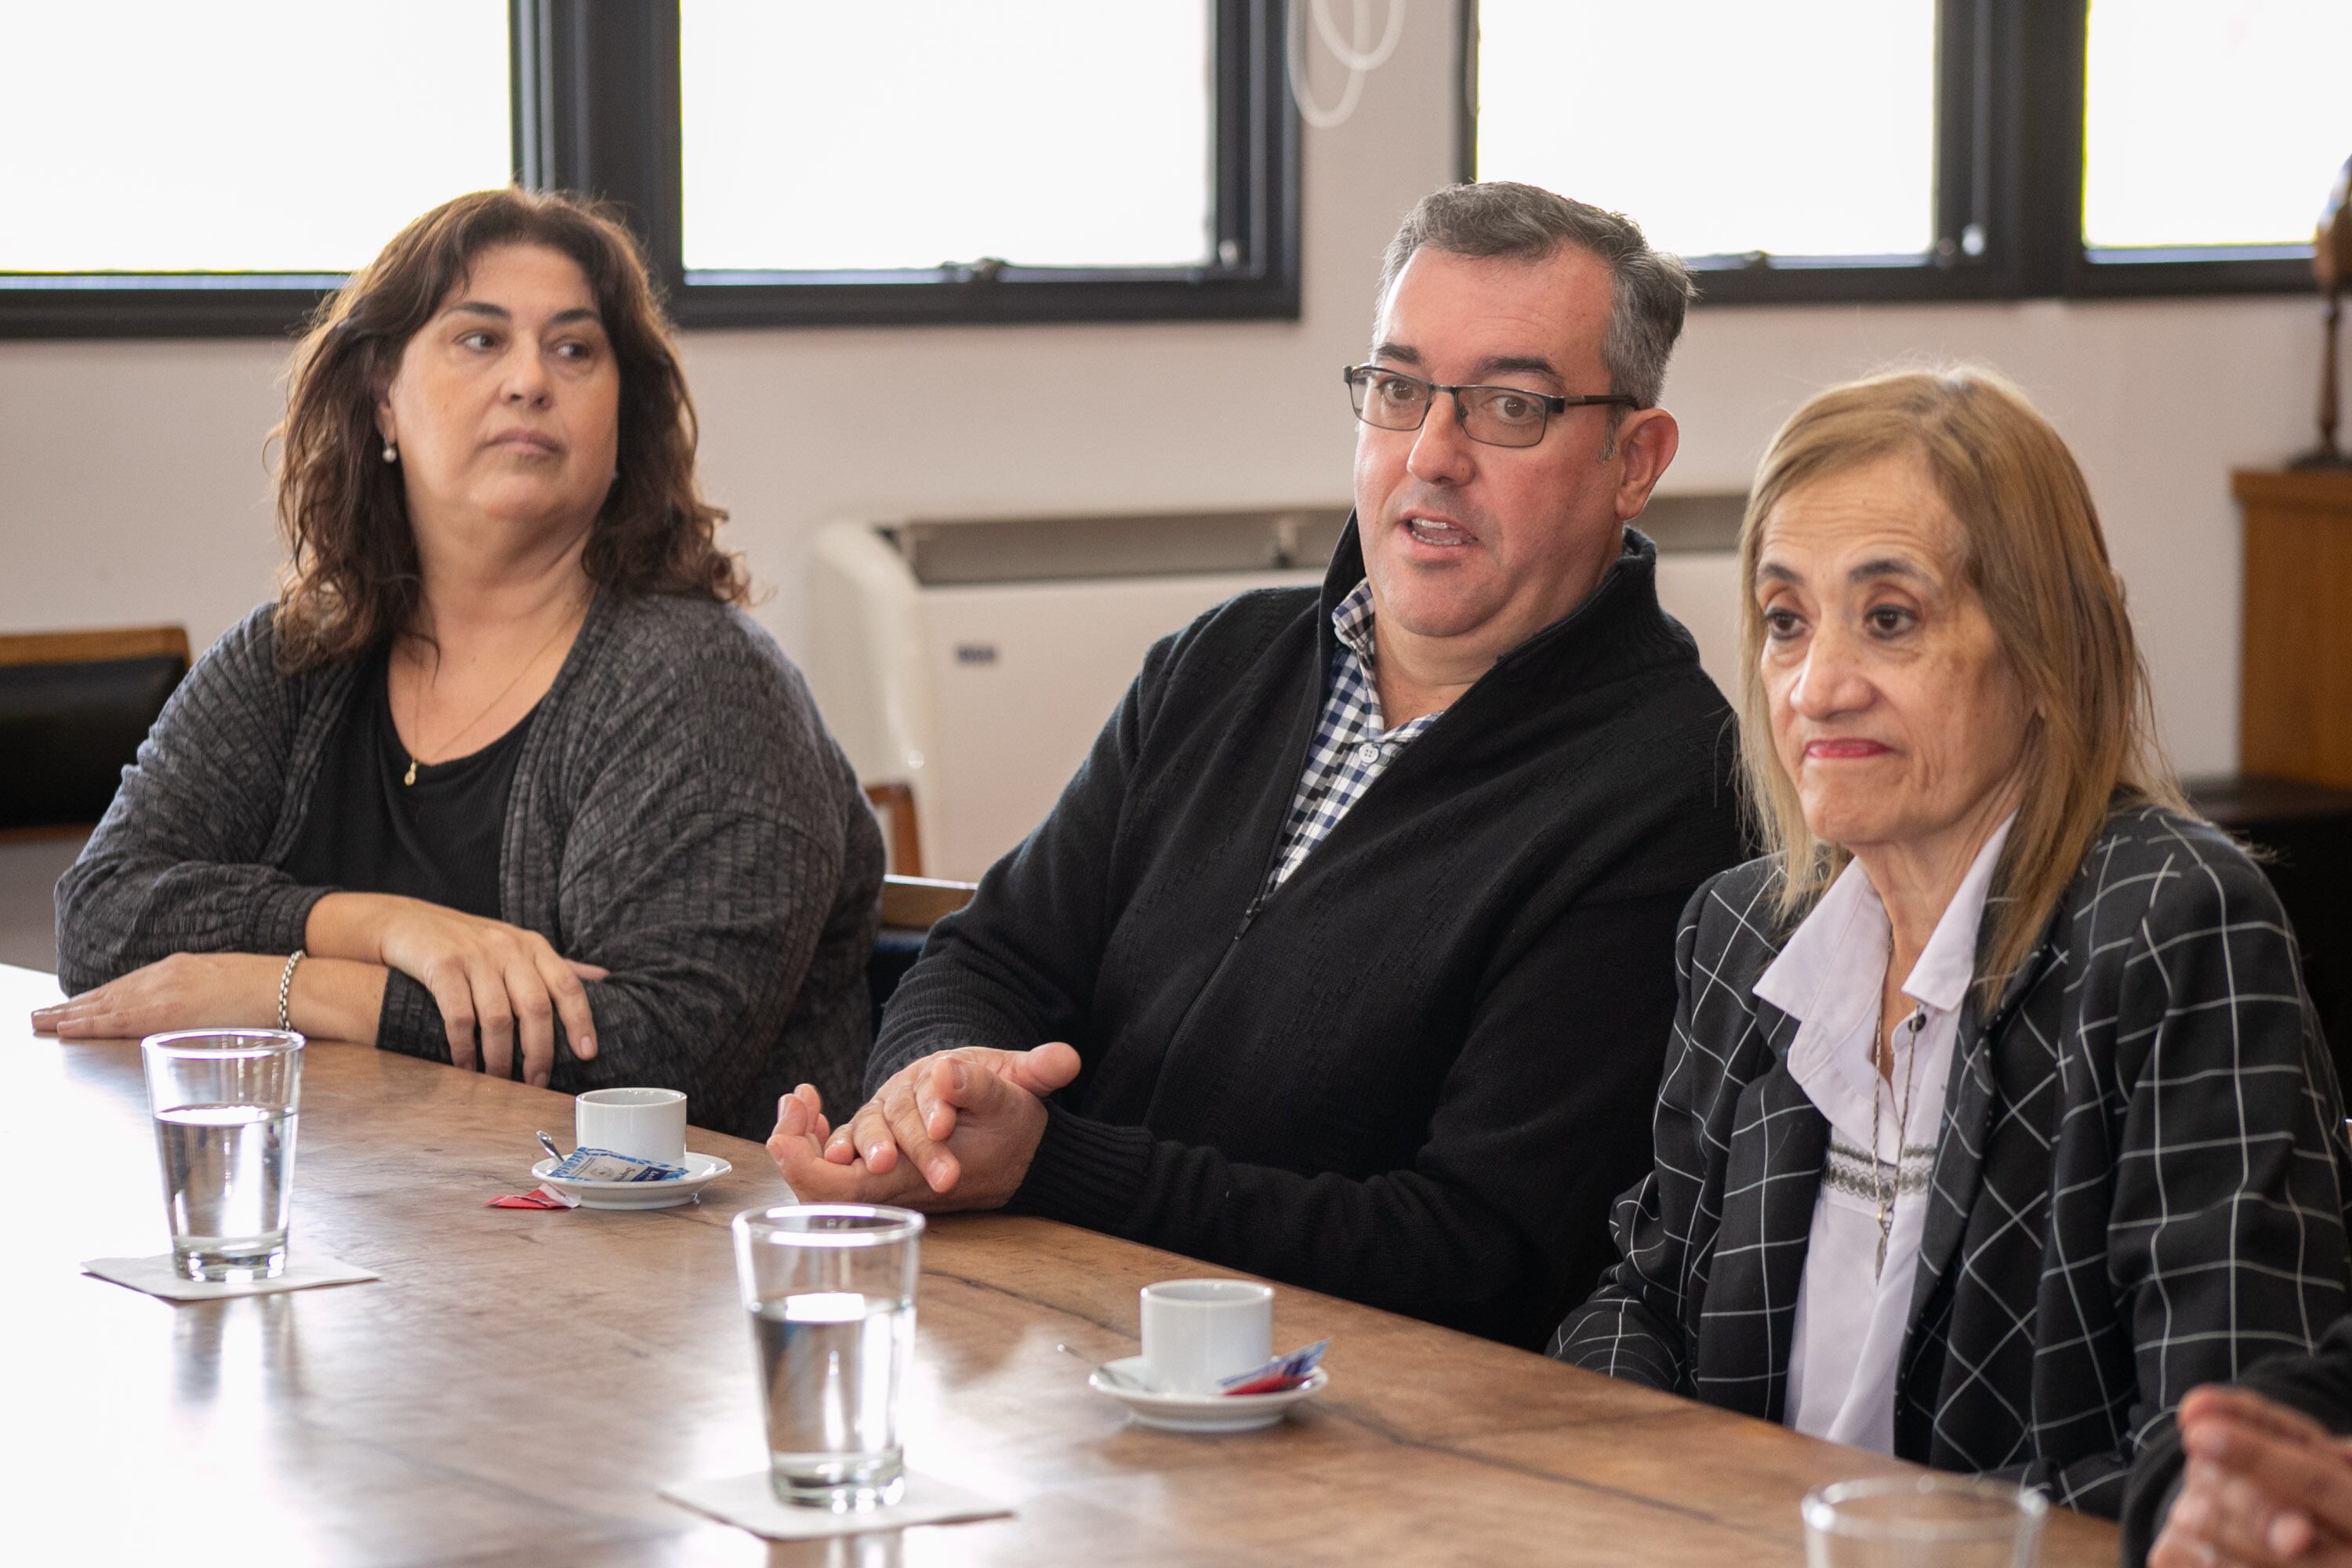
518	1384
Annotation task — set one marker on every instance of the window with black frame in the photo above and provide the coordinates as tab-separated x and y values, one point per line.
1743	142
2212	128
890	160
1854	149
1041	133
908	160
164	153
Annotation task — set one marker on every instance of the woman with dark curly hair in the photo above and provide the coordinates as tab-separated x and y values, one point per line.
505	776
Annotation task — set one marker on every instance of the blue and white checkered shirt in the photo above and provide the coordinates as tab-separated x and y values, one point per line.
1350	749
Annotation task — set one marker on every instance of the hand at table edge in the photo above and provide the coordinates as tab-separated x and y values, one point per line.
987	1117
2263	1485
502	983
329	999
912	1117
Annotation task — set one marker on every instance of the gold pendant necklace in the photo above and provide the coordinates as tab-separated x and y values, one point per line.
416	703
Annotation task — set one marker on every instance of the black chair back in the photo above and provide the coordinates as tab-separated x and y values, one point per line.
73	708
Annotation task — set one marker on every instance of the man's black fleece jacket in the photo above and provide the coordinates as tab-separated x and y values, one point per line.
1417	1074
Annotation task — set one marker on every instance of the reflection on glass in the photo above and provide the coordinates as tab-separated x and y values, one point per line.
270	136
244	1356
1805	129
2214	123
906	133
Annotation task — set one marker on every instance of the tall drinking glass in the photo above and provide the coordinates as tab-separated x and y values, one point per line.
226	1103
1923	1521
831	1291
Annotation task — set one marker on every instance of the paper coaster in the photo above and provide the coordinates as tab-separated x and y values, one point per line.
158	1277
749	1504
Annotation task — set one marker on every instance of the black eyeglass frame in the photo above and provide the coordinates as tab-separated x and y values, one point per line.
1552	403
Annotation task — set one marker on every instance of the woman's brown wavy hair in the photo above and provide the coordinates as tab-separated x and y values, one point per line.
351	577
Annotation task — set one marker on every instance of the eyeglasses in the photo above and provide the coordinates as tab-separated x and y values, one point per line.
1496	415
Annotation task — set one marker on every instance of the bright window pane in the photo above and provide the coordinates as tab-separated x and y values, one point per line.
267	136
905	133
1805	129
2212	122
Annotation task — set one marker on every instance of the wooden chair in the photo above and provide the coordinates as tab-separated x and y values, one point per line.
894	802
910	905
73	708
919	903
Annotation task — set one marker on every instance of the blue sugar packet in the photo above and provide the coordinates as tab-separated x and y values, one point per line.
604	1165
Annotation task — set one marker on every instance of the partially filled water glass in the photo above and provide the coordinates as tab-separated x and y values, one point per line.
227	1103
830	1289
1933	1520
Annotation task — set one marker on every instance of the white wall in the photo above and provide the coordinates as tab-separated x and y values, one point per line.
133	486
2158	399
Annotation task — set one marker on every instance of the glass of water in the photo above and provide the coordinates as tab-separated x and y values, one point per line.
1935	1520
226	1103
831	1291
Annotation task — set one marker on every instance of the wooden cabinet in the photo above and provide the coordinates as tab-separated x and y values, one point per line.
2294	694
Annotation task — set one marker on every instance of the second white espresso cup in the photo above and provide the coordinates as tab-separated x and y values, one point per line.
643	1123
1198	1333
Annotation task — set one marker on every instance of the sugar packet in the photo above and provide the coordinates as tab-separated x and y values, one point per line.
1282	1372
536	1198
604	1165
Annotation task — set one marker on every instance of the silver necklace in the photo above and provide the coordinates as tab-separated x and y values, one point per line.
1884	1183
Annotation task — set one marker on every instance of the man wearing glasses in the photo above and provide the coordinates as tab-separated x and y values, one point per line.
1353	937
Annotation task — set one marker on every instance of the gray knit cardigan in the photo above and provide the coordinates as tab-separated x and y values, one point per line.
681	816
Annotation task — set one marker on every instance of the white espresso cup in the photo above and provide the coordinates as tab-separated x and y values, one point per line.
643	1123
1198	1333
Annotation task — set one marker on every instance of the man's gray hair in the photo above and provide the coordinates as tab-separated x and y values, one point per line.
1502	218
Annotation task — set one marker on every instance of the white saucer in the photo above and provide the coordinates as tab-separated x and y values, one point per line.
1197	1412
701	1169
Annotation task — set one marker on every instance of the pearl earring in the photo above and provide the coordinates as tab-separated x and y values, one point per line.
391	453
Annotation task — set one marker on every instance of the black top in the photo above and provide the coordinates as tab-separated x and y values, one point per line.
369	832
679	818
1417	1073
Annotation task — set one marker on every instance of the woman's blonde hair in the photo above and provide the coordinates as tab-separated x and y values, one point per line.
2031	550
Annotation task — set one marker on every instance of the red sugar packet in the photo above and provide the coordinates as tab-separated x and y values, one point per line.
1284	1371
536	1198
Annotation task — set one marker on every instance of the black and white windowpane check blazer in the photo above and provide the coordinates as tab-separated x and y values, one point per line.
2139	1179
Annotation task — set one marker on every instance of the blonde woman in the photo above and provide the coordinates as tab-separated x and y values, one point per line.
1995	1116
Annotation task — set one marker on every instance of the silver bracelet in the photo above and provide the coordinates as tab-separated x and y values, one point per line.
286	990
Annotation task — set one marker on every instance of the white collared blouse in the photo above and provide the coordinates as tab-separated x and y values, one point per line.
1851	1313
